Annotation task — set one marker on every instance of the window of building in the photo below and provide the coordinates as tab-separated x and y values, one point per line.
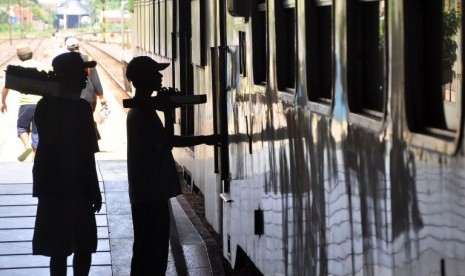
433	66
285	45
367	57
319	18
259	45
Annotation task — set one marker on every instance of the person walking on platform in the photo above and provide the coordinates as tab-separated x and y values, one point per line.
64	173
93	89
152	173
26	127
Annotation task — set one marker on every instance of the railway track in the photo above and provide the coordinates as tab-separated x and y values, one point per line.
112	66
9	51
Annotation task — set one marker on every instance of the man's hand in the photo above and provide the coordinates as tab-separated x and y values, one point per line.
4	108
212	140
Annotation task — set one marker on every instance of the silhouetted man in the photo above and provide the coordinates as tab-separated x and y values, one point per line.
152	173
64	174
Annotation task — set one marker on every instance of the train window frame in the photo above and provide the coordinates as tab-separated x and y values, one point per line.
156	26
286	53
150	41
169	28
317	15
162	9
259	38
423	87
137	23
198	38
361	36
140	37
144	24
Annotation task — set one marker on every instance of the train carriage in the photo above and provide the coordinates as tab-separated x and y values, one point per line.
341	128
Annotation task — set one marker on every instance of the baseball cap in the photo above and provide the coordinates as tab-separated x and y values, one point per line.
23	49
72	43
71	62
142	65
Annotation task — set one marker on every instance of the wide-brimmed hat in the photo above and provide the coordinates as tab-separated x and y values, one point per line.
71	62
142	65
23	49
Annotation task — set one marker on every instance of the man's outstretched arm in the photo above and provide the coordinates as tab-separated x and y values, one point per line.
187	141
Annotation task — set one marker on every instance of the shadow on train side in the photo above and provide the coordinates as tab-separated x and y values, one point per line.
244	266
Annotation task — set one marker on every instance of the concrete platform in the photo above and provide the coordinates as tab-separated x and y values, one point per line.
192	250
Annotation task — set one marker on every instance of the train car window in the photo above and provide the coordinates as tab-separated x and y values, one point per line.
162	27
140	25
146	17
367	57
144	23
198	33
285	45
156	26
319	18
137	23
242	54
149	11
433	67
259	45
169	27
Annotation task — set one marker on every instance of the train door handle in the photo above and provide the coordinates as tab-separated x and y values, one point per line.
248	134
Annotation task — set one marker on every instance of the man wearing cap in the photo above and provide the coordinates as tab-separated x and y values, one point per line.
64	173
93	88
152	175
27	104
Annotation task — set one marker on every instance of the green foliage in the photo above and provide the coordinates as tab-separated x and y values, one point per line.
38	13
382	39
95	9
450	27
113	4
131	6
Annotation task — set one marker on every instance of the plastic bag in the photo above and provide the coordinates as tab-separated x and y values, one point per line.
102	114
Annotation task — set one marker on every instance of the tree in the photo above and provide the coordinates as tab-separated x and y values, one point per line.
450	27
